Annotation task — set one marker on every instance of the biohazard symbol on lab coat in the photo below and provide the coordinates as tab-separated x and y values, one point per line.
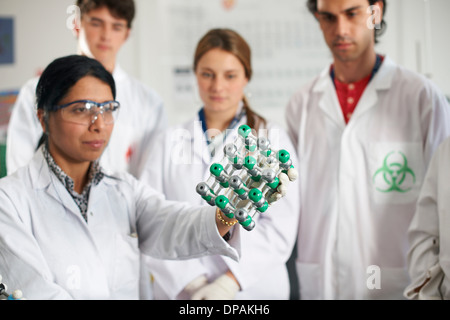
396	176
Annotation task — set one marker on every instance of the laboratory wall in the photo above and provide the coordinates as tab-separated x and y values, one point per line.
287	45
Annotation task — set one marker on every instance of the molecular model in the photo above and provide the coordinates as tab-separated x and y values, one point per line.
16	295
242	184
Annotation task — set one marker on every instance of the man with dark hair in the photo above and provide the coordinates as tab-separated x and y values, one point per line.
365	131
379	27
104	27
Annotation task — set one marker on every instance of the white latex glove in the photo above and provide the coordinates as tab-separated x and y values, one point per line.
195	285
223	288
281	189
292	175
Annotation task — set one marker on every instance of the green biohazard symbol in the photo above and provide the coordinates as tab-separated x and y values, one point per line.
395	174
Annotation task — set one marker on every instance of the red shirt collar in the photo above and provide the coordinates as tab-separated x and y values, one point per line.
349	94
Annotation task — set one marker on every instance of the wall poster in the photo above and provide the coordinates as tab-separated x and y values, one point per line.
6	40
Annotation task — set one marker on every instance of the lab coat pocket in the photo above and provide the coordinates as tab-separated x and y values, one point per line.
396	171
127	263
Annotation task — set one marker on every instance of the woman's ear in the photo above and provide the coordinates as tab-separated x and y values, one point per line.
41	117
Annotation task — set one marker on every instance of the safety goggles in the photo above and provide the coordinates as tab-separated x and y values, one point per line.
86	112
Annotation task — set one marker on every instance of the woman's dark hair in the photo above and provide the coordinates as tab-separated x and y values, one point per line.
312	7
62	74
230	41
121	9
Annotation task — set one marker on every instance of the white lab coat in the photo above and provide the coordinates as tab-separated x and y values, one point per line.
141	116
352	241
180	160
50	252
429	236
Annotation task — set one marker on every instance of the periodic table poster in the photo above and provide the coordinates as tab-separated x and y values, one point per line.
288	49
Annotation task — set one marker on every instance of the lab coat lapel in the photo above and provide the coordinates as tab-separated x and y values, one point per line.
231	135
60	193
329	102
367	101
197	140
200	146
99	203
381	81
43	178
